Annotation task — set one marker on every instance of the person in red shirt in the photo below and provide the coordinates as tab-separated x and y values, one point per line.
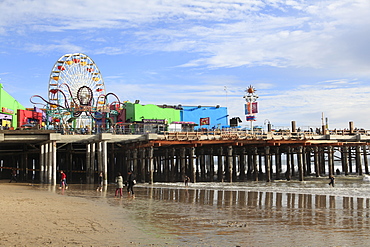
63	179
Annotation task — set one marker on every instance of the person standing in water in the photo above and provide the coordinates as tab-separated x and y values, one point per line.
130	183
63	180
119	183
186	180
100	182
331	180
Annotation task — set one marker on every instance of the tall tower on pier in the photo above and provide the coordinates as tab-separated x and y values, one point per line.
251	107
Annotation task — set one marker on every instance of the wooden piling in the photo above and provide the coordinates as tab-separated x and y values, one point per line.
300	162
267	164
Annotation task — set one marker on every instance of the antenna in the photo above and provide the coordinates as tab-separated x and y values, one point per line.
225	89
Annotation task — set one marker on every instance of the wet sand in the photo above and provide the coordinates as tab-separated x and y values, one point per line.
32	217
281	213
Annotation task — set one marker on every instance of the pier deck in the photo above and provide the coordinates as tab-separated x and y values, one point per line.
212	156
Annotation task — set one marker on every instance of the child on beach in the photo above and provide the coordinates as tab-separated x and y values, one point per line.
119	182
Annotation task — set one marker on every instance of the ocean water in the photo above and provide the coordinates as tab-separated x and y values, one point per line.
279	213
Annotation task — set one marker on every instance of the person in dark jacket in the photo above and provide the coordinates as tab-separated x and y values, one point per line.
130	182
14	176
100	182
331	180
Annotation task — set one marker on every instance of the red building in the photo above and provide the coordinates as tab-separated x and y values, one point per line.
29	117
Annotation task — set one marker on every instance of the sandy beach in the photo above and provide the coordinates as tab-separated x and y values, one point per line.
201	215
32	217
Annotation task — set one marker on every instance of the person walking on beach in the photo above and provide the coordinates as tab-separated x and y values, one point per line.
100	182
119	183
14	176
331	180
63	180
130	183
186	180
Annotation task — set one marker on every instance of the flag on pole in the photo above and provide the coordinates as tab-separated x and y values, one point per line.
251	118
248	109
251	108
254	108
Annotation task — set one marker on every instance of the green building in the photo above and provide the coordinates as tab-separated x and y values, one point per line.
147	113
8	107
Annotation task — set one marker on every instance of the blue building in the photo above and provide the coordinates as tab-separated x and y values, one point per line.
205	116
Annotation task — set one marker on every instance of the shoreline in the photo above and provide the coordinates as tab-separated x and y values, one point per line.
37	217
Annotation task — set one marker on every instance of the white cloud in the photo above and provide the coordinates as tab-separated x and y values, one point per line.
318	34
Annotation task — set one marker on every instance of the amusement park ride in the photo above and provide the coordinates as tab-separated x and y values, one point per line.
77	96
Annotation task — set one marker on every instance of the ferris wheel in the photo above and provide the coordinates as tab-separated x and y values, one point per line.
75	82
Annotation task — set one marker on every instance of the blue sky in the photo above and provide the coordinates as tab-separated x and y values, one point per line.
304	58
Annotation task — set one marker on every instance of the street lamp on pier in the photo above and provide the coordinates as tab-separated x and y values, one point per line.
268	130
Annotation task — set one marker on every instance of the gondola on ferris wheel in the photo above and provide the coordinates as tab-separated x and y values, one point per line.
76	94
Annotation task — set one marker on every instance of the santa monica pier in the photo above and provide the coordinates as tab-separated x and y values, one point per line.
83	130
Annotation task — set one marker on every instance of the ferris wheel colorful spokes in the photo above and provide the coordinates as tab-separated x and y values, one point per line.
75	70
69	74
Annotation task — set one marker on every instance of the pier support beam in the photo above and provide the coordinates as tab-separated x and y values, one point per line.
151	165
202	165
358	161
173	164
267	164
143	164
88	163
307	152
255	165
288	175
242	164
300	163
53	155
47	164
230	163
211	165
134	161
105	162
192	161
349	153
366	163
183	162
278	162
100	153
220	170
316	161
42	162
345	159
92	162
331	161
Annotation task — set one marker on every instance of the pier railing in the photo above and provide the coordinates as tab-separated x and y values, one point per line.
212	134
